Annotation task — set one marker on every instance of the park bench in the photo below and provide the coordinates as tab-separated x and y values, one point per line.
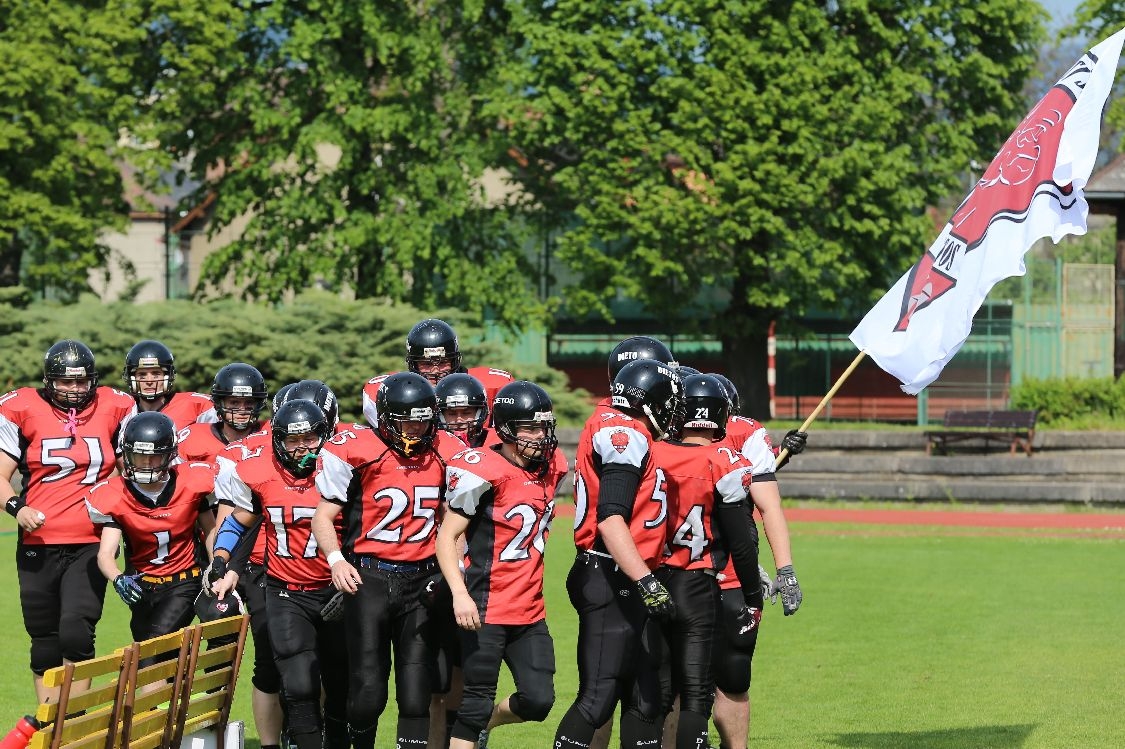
182	699
1012	428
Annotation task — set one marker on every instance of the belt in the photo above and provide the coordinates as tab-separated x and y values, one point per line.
597	557
300	587
368	562
161	579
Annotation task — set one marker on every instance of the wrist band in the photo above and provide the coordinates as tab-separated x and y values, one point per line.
336	556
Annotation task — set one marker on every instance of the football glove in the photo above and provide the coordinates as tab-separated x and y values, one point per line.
215	572
333	610
655	597
128	588
794	441
744	626
789	589
768	590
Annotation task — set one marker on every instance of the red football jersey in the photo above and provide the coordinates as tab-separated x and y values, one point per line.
61	459
202	442
249	446
185	409
390	502
492	379
750	438
159	535
260	485
510	511
611	437
696	478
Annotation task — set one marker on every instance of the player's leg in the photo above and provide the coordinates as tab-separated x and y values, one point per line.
482	653
265	697
446	672
334	668
697	602
367	623
412	660
82	596
644	703
38	571
607	647
292	632
733	654
530	657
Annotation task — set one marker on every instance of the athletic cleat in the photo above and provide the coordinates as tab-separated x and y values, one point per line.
482	740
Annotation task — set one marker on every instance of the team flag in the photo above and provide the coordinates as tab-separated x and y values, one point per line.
1032	189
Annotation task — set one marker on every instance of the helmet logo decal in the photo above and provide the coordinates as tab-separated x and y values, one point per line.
620	401
620	440
544	416
242	390
144	447
75	372
434	351
457	401
298	427
418	414
148	361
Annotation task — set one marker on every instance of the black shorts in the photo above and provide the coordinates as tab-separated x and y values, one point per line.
310	653
49	575
165	608
252	589
732	657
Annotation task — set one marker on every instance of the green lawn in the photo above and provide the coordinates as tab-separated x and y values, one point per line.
912	641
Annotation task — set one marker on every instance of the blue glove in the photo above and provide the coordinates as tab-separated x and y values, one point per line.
127	587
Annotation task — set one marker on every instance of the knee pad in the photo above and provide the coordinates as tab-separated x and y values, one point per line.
472	718
532	707
299	680
76	638
269	682
45	654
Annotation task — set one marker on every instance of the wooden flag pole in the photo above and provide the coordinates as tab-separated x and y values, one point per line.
824	401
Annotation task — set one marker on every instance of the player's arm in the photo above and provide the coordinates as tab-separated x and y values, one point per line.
344	576
616	495
741	538
107	552
767	498
29	519
450	539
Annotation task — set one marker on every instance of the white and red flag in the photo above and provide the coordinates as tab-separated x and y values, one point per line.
1032	189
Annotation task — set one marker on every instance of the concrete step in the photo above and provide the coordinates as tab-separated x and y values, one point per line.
945	490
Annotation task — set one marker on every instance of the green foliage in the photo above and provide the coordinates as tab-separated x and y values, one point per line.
1073	403
782	152
66	93
318	335
350	135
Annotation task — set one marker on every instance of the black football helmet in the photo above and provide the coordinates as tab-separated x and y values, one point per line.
705	404
461	390
317	392
70	360
406	397
146	354
239	380
732	392
148	433
299	416
654	389
280	395
524	404
637	348
686	372
434	341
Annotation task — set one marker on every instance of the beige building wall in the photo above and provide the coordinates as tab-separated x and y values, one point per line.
143	246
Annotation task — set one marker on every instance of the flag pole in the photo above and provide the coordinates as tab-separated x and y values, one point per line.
824	401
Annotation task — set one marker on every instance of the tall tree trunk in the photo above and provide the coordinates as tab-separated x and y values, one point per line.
11	256
743	335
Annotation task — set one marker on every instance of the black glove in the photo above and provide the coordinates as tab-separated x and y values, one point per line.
127	587
215	572
655	597
794	441
790	591
334	609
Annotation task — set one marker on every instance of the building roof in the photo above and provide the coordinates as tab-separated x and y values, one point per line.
1106	190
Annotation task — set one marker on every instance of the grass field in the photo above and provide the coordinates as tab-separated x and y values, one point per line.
909	637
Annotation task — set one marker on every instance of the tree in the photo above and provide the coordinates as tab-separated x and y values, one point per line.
65	95
779	153
351	135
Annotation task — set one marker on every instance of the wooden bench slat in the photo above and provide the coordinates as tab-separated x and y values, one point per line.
1014	428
